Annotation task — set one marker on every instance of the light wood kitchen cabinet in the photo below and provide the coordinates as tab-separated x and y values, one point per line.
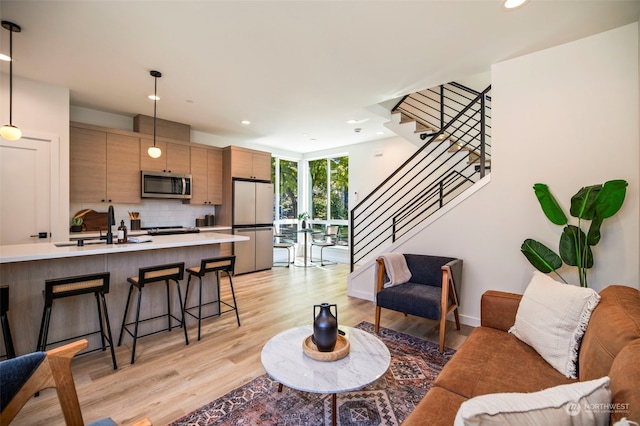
94	180
87	165
248	163
214	162
123	169
206	174
244	163
175	158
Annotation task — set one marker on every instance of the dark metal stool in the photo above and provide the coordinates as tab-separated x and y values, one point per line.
4	319
217	265
98	284
169	272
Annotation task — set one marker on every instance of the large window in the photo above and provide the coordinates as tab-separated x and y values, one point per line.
320	187
329	183
284	175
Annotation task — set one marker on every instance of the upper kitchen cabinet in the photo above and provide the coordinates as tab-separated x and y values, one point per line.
123	169
103	167
240	163
175	158
248	163
206	173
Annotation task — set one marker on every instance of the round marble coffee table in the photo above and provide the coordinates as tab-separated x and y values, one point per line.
284	360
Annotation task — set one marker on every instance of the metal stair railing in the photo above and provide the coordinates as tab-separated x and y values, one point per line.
455	156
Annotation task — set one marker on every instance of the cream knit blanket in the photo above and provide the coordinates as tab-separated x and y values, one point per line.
396	266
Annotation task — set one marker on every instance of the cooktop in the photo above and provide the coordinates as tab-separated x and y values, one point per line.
170	230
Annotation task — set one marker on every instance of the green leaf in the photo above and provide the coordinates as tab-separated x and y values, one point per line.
583	204
612	196
574	250
540	256
593	236
549	205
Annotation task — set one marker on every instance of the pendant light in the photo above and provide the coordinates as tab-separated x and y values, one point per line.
154	151
9	131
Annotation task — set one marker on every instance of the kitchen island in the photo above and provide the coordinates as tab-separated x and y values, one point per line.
25	267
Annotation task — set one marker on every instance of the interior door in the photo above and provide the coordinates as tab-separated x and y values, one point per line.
25	190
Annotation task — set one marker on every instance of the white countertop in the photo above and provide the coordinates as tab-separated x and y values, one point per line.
92	234
49	250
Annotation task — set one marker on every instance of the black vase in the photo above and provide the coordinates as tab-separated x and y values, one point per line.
325	327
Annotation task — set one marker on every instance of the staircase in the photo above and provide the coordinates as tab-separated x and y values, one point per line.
452	125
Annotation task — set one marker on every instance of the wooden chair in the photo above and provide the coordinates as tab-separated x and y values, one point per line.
26	375
432	291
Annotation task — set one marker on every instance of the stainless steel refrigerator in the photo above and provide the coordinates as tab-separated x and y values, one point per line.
253	218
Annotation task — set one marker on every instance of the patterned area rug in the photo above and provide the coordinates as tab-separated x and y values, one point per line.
415	363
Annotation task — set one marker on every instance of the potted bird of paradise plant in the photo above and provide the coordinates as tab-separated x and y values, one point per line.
591	203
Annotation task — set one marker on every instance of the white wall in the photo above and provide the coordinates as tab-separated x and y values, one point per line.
566	116
43	109
370	163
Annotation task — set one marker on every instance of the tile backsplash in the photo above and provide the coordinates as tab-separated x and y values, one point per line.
152	212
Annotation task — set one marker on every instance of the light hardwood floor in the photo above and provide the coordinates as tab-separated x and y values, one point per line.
170	379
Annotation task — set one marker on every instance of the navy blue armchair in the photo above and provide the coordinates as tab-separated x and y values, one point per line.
432	291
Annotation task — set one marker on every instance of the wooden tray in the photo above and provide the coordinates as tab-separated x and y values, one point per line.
340	351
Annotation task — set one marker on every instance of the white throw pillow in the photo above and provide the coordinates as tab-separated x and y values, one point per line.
552	318
581	403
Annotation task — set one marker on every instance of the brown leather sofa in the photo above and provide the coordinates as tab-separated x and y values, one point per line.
493	361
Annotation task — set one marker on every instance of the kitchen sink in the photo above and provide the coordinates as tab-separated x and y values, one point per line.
75	243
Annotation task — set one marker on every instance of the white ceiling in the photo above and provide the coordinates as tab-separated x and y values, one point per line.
297	69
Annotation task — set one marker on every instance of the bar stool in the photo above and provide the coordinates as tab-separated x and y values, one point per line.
217	265
98	284
4	319
152	274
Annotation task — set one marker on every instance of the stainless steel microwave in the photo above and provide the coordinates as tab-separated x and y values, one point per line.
165	185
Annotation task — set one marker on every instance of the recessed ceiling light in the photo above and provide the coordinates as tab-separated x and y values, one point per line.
379	133
352	121
154	98
245	122
513	4
4	57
